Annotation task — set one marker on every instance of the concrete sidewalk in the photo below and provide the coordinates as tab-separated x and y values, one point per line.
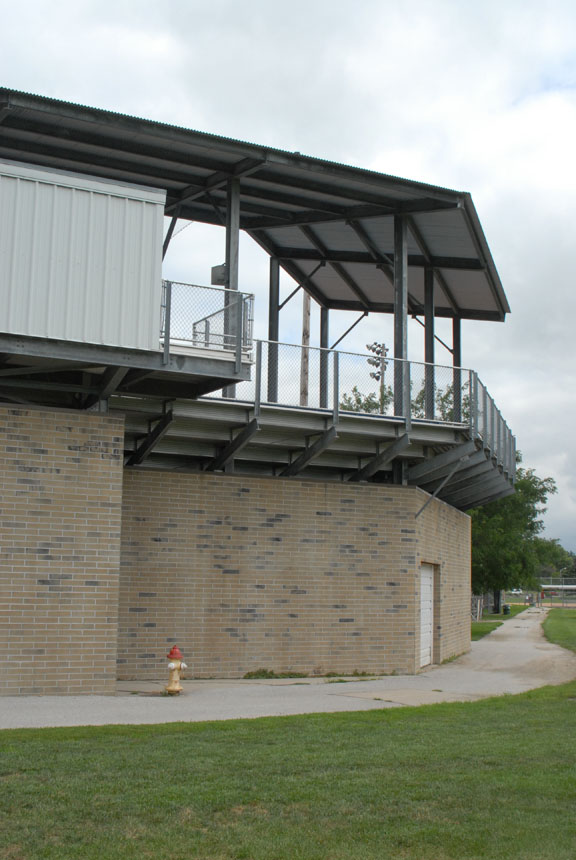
512	659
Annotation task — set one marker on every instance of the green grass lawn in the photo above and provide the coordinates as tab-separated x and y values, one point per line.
479	629
492	620
560	628
515	609
491	779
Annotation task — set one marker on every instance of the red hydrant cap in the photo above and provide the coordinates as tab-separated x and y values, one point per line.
175	653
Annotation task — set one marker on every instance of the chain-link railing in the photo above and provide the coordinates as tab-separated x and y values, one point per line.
345	382
206	318
493	430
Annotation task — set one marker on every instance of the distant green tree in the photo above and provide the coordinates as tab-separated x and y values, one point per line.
371	402
506	547
443	403
553	559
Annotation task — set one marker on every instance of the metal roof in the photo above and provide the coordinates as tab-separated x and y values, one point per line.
331	225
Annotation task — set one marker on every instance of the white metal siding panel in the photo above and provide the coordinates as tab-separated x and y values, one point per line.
79	263
426	613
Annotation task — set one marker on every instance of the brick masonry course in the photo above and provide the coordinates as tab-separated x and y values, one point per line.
288	575
60	509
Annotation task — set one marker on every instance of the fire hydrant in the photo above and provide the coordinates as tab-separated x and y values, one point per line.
176	665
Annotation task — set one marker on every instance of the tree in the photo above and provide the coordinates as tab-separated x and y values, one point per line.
553	559
444	403
506	547
378	401
358	402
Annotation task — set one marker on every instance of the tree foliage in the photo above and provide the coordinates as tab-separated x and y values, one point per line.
373	403
553	559
507	551
378	402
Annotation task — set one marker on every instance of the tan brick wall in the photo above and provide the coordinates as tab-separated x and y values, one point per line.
445	541
249	573
61	479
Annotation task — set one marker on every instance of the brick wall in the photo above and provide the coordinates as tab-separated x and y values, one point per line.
445	540
249	573
60	508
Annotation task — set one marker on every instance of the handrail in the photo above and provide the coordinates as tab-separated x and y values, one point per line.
340	382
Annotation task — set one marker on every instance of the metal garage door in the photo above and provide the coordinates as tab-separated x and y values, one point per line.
426	612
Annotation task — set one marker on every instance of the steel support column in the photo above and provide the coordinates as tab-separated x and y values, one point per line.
429	342
232	233
400	311
324	341
273	329
457	373
231	319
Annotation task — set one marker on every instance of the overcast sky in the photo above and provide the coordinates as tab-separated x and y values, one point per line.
479	97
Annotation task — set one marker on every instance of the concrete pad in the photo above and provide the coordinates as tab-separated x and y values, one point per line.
413	697
514	658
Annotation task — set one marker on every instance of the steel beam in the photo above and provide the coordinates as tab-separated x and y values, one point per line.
219	179
437	463
374	255
289	266
273	329
457	372
146	446
169	233
338	268
381	460
349	329
232	232
110	381
429	342
234	447
443	483
231	319
39	370
419	239
400	310
359	212
486	499
310	453
464	474
477	489
324	356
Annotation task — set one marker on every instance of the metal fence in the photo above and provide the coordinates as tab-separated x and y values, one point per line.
207	318
342	382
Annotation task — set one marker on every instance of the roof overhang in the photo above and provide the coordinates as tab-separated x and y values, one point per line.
331	225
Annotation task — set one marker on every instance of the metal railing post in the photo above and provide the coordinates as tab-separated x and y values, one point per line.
473	385
258	379
323	378
492	427
398	388
429	386
272	372
457	394
167	315
406	395
336	387
239	327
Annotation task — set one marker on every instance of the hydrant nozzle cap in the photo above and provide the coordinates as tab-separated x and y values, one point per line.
175	653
